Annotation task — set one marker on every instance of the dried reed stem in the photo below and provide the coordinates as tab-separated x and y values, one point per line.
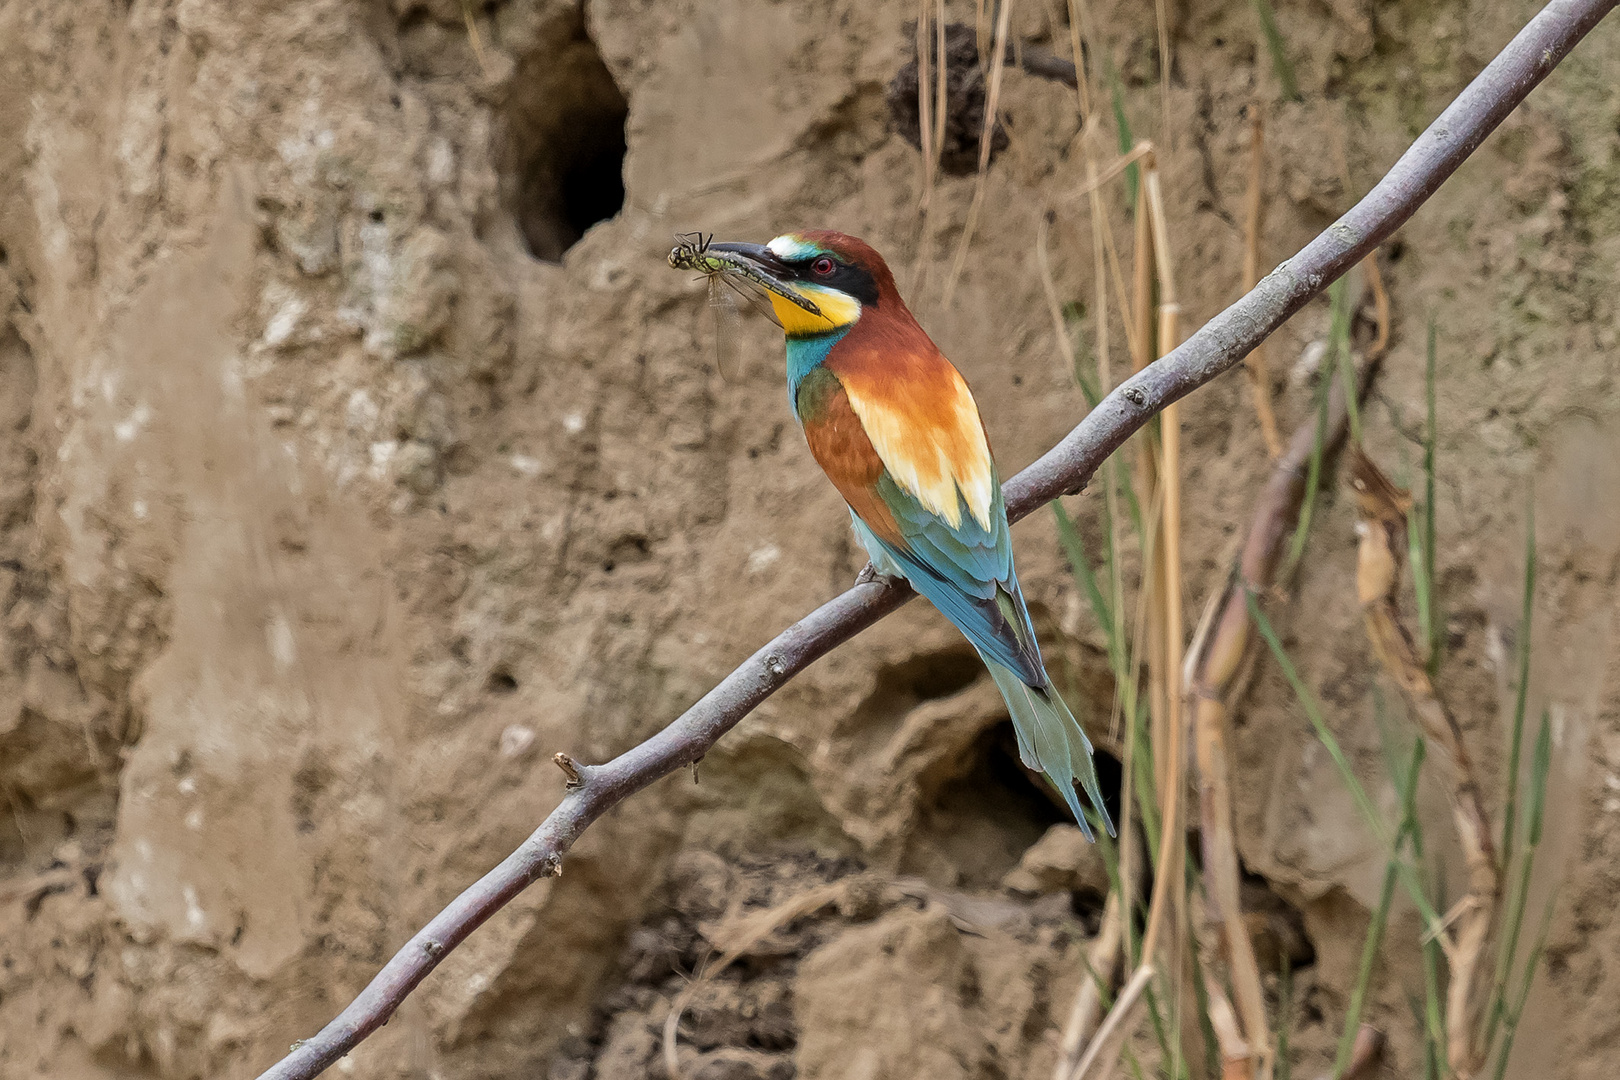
1082	85
1110	1037
1255	365
469	17
1147	483
992	104
1237	1056
925	104
1172	833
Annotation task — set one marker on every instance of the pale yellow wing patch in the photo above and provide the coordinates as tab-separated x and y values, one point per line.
934	448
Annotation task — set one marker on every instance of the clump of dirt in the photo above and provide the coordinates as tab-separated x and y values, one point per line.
962	145
773	962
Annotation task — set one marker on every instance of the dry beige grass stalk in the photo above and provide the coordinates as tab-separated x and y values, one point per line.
1163	468
1172	832
1103	1053
1237	1057
992	105
470	17
1254	365
931	136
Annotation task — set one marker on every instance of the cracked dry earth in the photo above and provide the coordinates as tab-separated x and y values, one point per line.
358	450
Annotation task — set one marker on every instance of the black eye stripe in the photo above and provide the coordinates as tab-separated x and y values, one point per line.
845	277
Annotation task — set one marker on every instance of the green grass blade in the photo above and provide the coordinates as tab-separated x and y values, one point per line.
1088	388
1430	437
1206	1029
1131	502
1145	802
1074	547
1339	348
1509	942
1313	476
1540	766
1375	930
1127	142
1278	50
1516	739
1313	712
1433	1023
1422	585
1511	1023
1156	1017
1496	1008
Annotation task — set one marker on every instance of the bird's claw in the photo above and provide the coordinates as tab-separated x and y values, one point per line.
869	574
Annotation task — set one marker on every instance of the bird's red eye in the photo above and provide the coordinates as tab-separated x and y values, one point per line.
822	266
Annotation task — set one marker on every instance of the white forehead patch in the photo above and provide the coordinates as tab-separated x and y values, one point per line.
789	247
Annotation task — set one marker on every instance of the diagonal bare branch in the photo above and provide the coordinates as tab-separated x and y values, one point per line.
1218	345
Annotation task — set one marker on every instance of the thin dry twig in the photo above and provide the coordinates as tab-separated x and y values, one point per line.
1147	482
930	137
1082	85
1216	347
1115	168
925	104
1380	295
1169	606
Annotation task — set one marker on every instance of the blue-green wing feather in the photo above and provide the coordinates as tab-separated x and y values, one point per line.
966	571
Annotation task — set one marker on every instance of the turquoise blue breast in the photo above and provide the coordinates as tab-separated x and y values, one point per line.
804	355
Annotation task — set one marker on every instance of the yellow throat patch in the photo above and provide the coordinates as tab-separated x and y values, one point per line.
838	310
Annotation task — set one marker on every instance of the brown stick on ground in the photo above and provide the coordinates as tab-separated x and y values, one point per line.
1382	508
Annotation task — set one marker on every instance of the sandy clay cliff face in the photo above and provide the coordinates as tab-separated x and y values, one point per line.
358	451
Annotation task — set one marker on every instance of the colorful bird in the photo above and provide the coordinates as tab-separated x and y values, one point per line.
895	428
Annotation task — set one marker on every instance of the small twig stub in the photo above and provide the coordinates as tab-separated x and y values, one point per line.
571	777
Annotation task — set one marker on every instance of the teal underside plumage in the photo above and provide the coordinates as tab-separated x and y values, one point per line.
967	574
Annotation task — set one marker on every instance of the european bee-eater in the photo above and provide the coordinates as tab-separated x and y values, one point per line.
895	428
